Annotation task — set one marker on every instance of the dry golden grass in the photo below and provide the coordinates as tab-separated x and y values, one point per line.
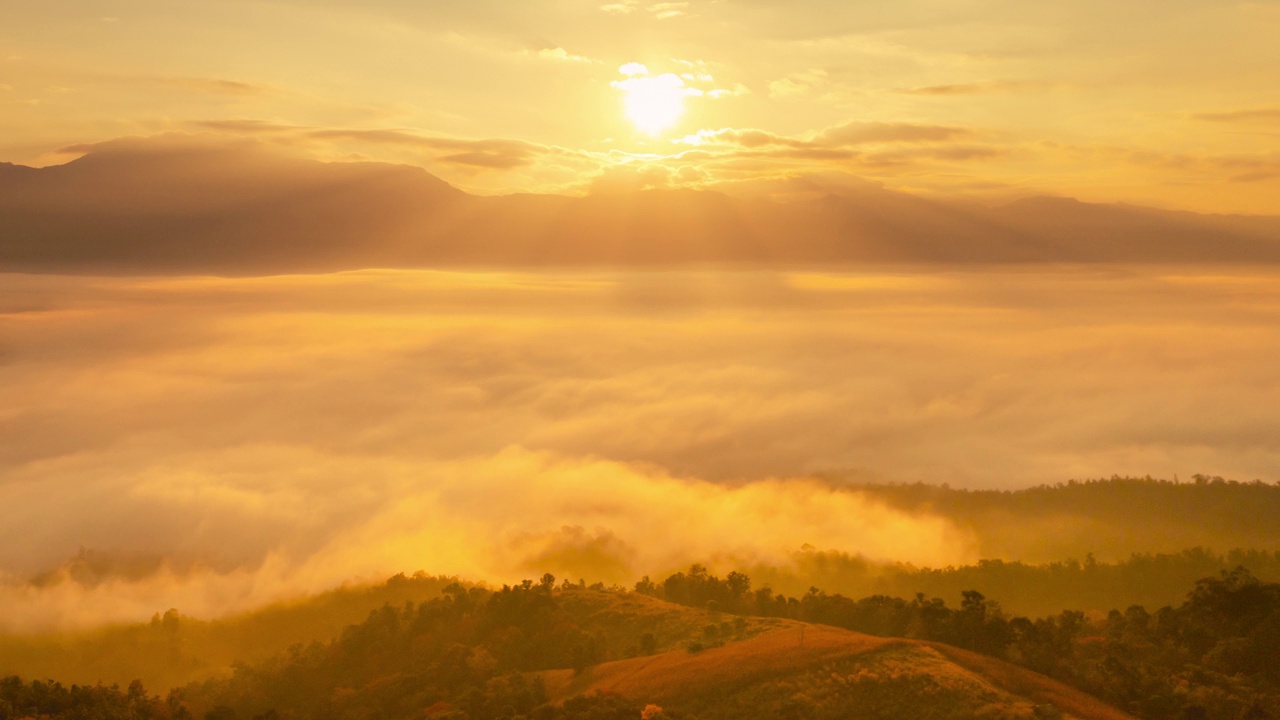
793	654
789	647
1020	681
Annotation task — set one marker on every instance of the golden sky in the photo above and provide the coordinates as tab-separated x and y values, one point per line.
1171	103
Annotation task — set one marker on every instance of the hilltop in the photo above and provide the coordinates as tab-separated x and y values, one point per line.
805	670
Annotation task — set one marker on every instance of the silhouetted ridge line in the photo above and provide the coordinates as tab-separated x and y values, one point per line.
152	206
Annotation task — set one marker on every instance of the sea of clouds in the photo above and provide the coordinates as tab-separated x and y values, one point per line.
216	444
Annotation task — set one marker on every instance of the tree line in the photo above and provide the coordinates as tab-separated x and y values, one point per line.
1214	656
473	653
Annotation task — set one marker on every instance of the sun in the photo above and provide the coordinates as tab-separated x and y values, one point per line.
652	103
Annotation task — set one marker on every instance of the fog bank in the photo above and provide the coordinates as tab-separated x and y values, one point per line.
221	443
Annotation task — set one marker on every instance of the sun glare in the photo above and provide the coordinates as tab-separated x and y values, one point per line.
652	103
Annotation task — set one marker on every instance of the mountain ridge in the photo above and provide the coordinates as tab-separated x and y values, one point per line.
150	207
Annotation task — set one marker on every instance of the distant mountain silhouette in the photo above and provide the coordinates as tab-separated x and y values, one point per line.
146	206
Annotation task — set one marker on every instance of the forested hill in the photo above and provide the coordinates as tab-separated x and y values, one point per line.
699	646
1151	579
1108	519
174	649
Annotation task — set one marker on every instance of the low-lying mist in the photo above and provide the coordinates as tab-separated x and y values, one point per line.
216	444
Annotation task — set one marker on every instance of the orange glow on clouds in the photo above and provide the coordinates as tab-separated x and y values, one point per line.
271	435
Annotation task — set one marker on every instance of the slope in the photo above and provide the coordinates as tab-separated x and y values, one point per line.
833	673
159	206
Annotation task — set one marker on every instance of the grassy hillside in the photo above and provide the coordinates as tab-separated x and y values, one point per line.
1212	656
681	676
802	670
807	670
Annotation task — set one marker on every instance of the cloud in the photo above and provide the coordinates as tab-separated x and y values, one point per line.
659	10
1255	176
562	55
492	153
626	7
629	177
245	440
1236	168
1257	115
245	126
736	91
978	88
167	144
835	141
668	10
665	83
878	149
639	80
577	553
858	133
214	86
641	521
498	154
799	84
914	156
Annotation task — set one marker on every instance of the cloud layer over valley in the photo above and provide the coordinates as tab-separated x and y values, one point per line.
214	444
